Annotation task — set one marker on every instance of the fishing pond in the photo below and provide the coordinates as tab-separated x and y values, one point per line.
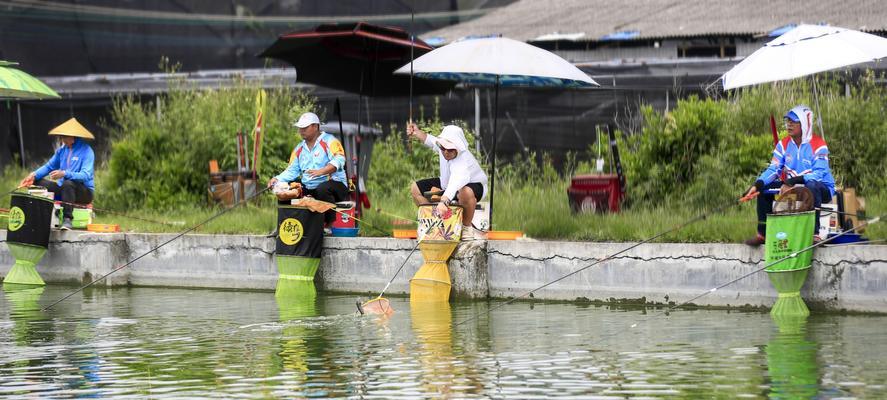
185	343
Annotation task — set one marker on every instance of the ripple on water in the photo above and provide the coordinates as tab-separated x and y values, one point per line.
143	342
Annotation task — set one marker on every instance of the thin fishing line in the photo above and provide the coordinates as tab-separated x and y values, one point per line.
379	210
721	286
219	214
11	191
369	225
792	255
859	243
403	263
122	214
607	258
412	52
830	211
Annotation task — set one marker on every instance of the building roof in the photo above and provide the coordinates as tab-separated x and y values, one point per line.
529	20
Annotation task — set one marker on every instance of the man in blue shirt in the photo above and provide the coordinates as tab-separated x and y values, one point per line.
801	158
70	170
318	163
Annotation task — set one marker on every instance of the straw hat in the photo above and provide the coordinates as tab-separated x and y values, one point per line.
71	128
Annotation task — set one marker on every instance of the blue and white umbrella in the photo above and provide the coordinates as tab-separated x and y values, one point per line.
803	51
497	62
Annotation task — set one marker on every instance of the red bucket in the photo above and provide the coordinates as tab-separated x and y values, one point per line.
345	215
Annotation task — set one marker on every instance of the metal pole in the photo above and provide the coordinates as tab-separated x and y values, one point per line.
21	136
477	120
495	128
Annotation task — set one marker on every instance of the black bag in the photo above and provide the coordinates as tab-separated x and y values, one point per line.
299	232
29	220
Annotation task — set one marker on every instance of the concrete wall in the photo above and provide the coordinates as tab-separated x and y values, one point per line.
850	278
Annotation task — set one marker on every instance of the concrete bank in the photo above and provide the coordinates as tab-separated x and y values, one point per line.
852	278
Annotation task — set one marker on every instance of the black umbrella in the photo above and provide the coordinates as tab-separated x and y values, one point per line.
358	58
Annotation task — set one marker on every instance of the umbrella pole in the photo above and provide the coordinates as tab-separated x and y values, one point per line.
495	129
818	109
21	136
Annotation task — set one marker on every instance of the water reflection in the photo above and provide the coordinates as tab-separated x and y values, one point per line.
24	309
176	343
431	322
791	360
296	300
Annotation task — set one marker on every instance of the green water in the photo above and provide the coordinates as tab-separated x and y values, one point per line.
175	343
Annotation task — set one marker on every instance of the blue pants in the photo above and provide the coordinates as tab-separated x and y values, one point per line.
821	194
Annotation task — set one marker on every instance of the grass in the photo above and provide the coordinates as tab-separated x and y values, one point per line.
540	211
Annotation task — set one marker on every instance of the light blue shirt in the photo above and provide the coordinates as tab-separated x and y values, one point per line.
327	150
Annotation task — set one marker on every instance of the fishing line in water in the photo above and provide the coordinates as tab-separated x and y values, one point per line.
219	214
360	306
387	306
611	256
790	256
728	283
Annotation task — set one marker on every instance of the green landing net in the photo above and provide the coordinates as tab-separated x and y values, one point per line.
24	271
787	234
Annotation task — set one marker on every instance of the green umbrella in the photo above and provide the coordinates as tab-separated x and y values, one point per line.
19	85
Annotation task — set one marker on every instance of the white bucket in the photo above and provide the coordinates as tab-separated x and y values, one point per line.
481	219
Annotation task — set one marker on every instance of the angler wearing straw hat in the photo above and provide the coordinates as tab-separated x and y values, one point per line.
803	157
319	160
70	170
461	177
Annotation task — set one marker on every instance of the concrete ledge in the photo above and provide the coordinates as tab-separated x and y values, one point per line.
852	278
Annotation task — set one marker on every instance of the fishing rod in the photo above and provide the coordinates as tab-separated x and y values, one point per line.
105	211
774	262
768	265
11	191
219	214
721	286
176	223
362	222
380	211
611	256
830	211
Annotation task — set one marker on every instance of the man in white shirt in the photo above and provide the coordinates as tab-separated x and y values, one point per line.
461	177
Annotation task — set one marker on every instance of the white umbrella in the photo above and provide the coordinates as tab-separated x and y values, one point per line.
806	50
497	61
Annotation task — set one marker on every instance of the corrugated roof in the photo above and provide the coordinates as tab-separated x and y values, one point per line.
526	20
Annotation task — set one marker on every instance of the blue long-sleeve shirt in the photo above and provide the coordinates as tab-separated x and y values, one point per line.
809	160
327	150
78	162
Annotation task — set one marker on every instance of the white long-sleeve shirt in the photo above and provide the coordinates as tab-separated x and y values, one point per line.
460	171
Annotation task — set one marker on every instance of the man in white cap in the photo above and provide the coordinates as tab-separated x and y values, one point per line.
70	169
319	162
461	177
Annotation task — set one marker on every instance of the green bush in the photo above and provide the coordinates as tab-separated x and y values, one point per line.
159	158
705	152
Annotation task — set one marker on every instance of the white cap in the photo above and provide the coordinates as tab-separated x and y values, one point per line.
447	144
307	119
